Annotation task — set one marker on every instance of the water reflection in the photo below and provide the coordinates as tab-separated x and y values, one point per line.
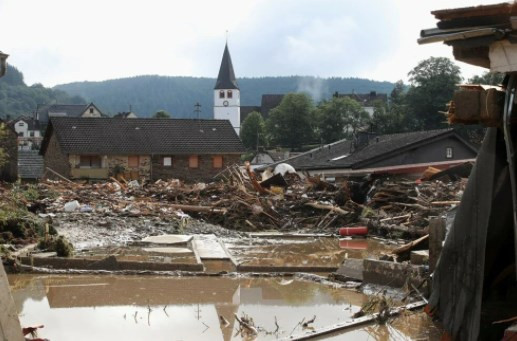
303	252
161	308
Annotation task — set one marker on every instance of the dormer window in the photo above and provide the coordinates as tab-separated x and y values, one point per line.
230	94
221	94
91	110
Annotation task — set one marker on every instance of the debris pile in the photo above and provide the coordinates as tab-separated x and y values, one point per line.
239	201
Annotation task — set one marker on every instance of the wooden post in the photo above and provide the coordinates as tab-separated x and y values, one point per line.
436	237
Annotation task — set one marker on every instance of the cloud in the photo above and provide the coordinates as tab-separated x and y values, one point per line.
57	41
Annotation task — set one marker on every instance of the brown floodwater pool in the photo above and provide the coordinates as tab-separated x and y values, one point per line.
86	307
319	251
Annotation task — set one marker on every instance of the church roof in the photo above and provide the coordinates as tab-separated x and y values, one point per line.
226	78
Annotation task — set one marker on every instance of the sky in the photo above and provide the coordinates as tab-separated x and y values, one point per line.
61	41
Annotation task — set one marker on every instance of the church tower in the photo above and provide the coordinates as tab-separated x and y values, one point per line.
227	97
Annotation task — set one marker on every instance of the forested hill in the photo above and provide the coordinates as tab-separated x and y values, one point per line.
16	98
177	95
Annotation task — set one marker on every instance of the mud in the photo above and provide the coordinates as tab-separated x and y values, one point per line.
164	308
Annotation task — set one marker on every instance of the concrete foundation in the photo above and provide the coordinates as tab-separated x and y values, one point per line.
391	274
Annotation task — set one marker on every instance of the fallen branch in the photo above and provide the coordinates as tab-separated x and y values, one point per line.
246	326
354	322
194	208
328	207
445	203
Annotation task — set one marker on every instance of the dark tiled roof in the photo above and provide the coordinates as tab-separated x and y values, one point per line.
366	99
226	78
124	114
110	136
246	110
31	122
383	145
270	102
72	110
343	154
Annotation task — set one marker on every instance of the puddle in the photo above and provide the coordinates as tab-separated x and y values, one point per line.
165	308
303	252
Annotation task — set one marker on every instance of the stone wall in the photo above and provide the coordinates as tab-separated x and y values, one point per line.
56	159
142	171
180	167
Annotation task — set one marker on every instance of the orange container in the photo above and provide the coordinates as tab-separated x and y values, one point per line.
353	231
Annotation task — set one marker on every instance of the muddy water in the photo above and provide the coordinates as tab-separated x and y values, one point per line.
162	308
303	252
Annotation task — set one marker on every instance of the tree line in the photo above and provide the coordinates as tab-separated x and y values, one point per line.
299	122
16	98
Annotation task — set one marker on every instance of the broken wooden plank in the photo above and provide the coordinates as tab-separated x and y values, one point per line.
353	322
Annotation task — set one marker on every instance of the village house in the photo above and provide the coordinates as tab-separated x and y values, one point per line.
28	131
367	101
97	148
396	154
44	112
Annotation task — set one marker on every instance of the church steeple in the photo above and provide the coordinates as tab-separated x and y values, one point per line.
227	96
226	78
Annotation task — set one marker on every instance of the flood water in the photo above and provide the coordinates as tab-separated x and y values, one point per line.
106	307
304	251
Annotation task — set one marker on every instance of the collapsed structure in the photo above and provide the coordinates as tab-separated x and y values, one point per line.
474	288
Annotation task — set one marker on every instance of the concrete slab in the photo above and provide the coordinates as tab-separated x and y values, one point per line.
169	250
44	254
209	247
168	239
420	257
351	269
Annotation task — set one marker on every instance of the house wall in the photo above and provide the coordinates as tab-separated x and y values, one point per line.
143	169
180	169
87	112
433	152
22	127
55	159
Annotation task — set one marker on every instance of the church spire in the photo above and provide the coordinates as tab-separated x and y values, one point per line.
226	78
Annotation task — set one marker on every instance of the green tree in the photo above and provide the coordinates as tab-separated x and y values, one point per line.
433	82
292	123
162	114
338	117
490	78
391	119
253	131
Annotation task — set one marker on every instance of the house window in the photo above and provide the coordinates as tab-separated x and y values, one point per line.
133	161
221	94
217	161
193	161
20	134
21	124
31	134
90	161
448	152
167	161
91	110
230	94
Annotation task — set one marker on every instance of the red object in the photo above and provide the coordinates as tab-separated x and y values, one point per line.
353	231
354	244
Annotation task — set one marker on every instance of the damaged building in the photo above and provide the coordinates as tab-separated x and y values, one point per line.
98	148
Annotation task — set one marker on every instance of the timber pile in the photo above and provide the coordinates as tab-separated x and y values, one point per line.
240	201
